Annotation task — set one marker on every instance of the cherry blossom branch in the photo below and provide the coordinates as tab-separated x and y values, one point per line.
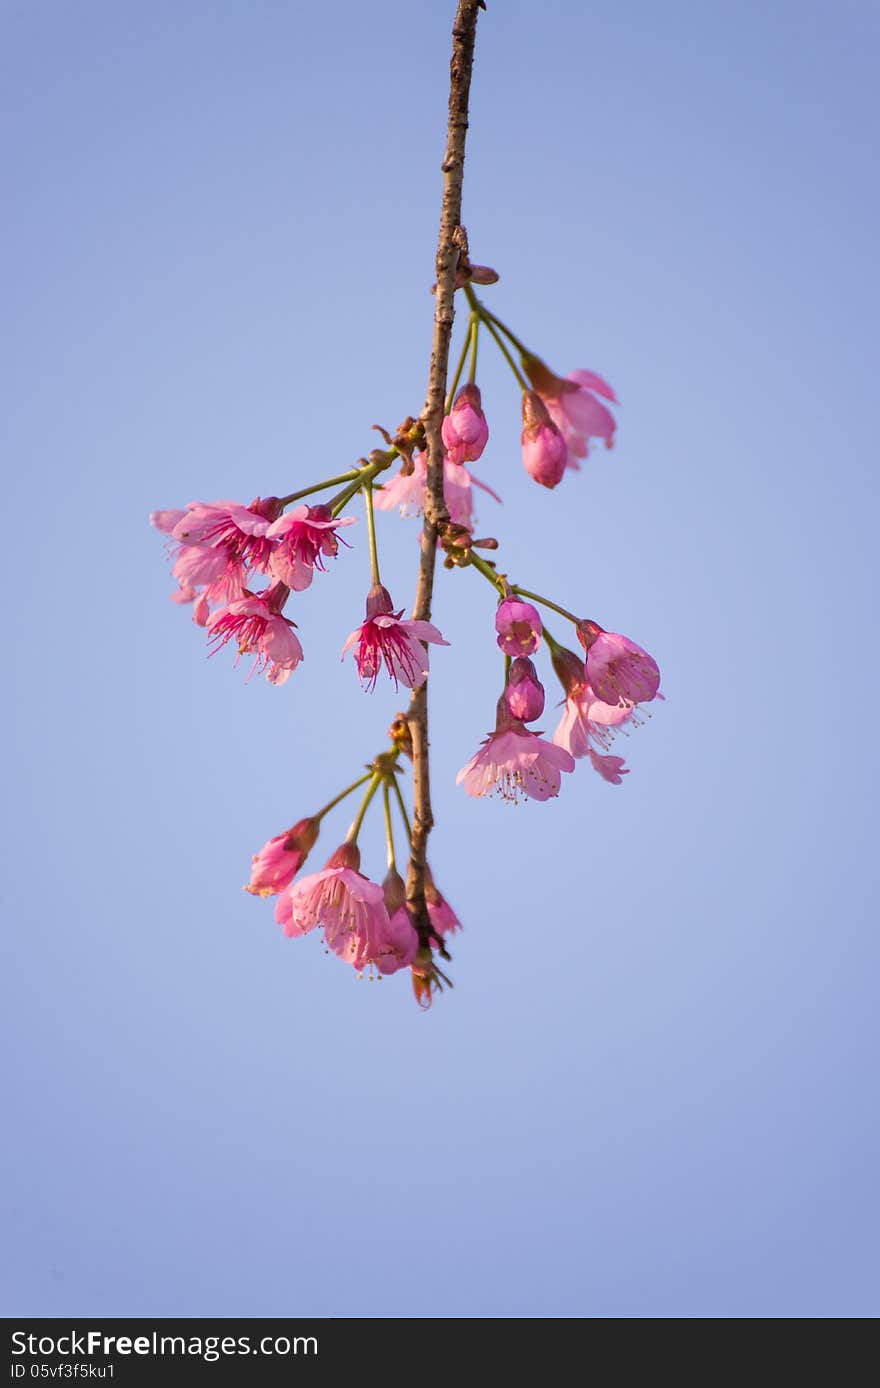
452	244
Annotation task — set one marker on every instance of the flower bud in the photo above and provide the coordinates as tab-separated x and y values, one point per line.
543	447
524	692
465	431
394	891
518	626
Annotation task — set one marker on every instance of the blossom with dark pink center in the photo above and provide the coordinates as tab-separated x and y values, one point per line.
278	862
209	572
519	627
348	906
617	669
524	692
406	491
256	625
240	531
384	639
304	538
544	449
513	760
465	431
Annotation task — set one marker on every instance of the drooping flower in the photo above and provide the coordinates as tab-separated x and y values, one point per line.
617	669
239	531
524	692
304	537
348	906
543	447
443	919
519	627
586	721
399	945
465	431
255	623
384	639
579	416
278	862
406	492
514	760
215	570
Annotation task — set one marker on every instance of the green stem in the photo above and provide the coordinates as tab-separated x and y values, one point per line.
536	597
475	337
402	804
342	794
486	570
389	831
461	361
371	532
551	642
363	475
520	347
320	486
351	836
524	385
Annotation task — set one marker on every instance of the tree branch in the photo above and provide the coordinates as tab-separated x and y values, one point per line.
451	248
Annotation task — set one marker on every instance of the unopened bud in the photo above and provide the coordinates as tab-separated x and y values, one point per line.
394	891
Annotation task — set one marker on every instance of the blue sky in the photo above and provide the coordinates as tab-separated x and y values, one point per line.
650	1093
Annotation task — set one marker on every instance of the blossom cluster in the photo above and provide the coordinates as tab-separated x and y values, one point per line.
241	565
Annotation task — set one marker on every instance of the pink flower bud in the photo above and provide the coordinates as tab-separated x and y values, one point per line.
524	692
394	891
543	447
519	627
465	431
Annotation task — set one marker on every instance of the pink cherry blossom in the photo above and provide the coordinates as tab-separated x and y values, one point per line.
617	669
255	623
524	692
304	537
443	919
399	944
384	639
579	416
209	574
465	431
587	720
348	906
406	493
278	862
239	531
544	449
518	625
513	760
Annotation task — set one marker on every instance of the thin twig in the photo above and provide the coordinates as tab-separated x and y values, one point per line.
452	246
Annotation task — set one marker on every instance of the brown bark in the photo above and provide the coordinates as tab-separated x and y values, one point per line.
452	246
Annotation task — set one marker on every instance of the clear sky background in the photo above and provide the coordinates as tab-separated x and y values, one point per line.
653	1090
